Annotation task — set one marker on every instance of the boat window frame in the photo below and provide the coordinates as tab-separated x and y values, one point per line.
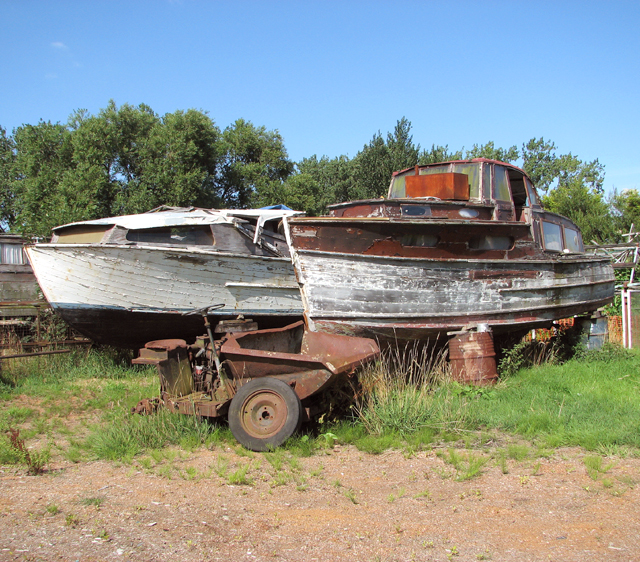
9	251
486	242
200	229
560	227
487	184
82	233
494	189
532	194
580	244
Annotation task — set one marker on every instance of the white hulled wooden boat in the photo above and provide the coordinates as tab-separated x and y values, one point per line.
127	280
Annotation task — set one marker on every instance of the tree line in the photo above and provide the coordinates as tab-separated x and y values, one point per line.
128	159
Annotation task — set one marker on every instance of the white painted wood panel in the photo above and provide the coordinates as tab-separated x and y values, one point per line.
154	278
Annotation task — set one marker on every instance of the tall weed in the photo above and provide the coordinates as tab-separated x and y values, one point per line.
35	461
397	392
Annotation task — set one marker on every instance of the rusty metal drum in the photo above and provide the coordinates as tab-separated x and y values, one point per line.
473	358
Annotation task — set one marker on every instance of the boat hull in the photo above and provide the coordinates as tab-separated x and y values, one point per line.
397	298
127	295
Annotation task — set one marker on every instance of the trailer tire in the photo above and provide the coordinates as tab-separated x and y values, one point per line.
264	413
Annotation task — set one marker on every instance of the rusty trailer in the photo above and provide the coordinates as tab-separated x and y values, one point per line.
265	381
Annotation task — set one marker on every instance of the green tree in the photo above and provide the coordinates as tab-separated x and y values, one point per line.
438	154
179	163
540	163
254	168
375	163
626	212
571	168
324	181
7	165
123	160
491	152
547	170
44	154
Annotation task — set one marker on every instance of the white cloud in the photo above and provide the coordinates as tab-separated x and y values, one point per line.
58	45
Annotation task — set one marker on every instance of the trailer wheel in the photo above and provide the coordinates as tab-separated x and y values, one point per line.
264	413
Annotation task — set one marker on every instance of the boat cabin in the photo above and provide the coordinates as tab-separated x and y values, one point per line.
253	231
472	190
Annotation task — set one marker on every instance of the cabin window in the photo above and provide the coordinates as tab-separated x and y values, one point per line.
415	211
486	181
81	234
501	184
573	241
552	234
473	173
421	240
518	190
180	236
13	254
491	243
533	200
468	213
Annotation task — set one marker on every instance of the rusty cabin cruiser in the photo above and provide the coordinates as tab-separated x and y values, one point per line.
454	244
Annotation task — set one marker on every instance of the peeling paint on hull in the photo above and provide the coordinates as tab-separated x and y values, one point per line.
454	243
406	298
107	291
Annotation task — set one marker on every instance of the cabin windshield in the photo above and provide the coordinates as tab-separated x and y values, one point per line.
398	190
181	236
81	234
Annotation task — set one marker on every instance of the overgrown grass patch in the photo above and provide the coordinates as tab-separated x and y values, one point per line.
396	395
79	404
592	401
128	436
56	396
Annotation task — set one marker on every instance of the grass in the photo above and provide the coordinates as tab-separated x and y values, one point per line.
240	477
591	401
397	389
77	406
467	465
127	436
95	501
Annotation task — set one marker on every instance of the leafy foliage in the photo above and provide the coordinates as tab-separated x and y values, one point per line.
254	166
490	151
374	164
128	159
586	207
626	210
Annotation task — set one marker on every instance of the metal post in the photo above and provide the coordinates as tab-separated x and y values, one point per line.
627	318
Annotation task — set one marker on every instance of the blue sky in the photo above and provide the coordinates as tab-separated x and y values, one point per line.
330	74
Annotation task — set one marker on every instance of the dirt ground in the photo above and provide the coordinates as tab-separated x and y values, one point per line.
342	505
